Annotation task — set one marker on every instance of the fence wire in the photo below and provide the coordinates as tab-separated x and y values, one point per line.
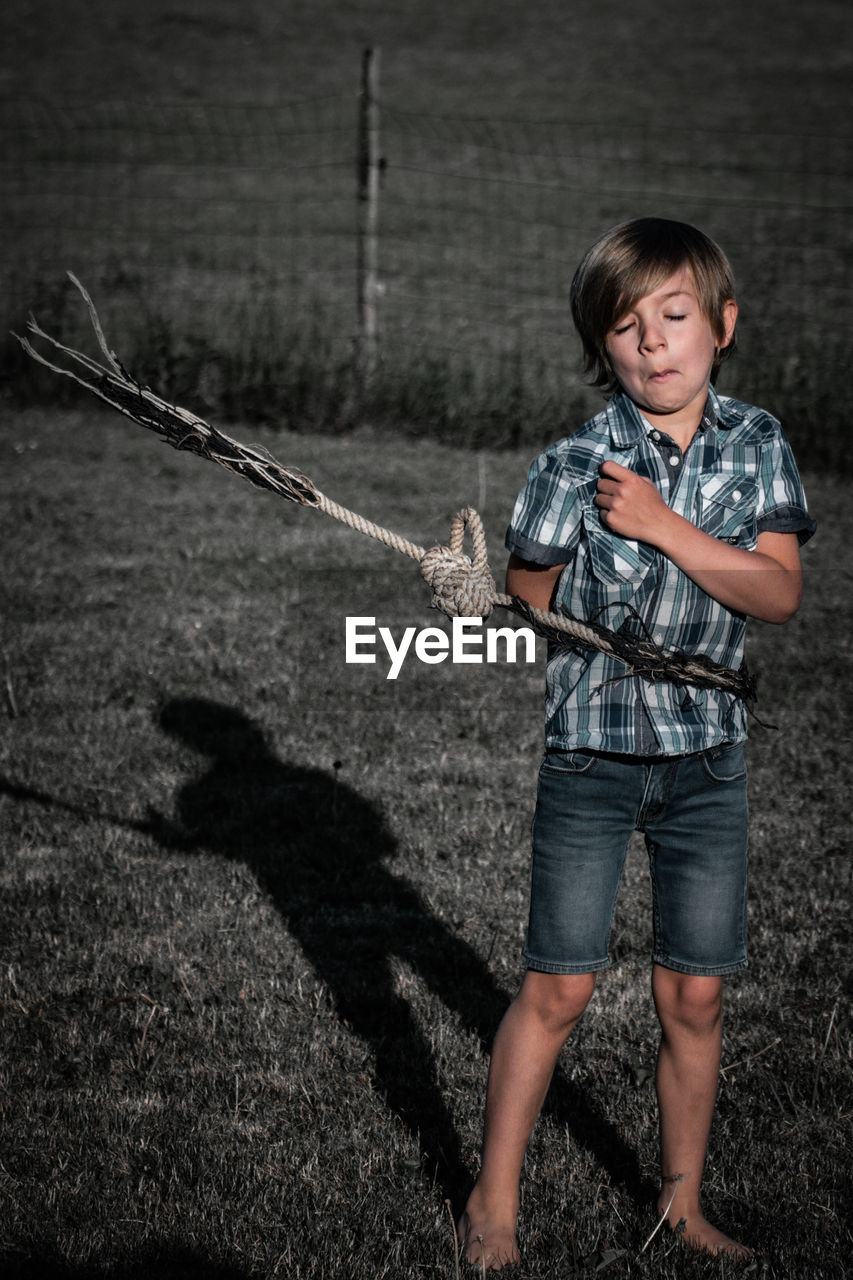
230	226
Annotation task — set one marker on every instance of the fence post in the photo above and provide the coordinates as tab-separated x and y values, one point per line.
368	215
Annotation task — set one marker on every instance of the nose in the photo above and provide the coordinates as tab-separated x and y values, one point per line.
651	337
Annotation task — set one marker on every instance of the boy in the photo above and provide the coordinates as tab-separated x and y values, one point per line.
681	513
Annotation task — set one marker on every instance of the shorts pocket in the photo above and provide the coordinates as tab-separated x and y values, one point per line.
725	763
559	763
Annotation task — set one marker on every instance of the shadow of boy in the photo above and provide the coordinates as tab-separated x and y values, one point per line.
320	850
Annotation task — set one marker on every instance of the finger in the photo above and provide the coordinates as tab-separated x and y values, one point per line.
614	470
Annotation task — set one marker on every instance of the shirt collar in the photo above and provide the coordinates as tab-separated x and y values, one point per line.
628	426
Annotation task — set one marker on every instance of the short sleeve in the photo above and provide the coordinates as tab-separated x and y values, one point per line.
546	519
782	506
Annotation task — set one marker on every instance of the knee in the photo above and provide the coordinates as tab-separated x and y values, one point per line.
687	1001
557	999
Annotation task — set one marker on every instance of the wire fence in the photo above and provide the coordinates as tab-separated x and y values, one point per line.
219	242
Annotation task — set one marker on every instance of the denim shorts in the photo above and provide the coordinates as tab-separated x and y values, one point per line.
693	812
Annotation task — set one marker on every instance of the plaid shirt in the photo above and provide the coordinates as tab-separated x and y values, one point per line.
737	479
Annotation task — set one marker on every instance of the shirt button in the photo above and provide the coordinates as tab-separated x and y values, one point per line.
674	460
656	435
658	637
736	495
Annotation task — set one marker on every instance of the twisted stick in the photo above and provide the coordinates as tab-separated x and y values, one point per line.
461	586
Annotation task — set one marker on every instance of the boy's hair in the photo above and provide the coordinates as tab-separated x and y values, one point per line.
634	259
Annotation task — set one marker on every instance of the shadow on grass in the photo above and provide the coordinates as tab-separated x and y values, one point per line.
163	1262
319	849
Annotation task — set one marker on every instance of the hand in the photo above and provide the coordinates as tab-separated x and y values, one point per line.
765	583
630	505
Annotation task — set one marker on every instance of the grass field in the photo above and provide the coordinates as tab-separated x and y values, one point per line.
196	168
261	910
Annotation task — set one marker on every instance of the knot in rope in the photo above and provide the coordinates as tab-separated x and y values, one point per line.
461	587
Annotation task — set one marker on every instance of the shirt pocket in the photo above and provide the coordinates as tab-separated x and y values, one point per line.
728	508
613	561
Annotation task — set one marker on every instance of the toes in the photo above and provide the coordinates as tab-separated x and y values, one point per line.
477	1253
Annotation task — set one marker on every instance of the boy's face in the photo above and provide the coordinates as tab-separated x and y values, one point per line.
662	351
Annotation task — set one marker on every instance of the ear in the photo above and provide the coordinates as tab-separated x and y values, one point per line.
730	311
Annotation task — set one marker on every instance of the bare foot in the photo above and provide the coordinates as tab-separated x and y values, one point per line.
487	1245
698	1233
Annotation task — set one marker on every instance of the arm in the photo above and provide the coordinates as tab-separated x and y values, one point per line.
535	583
765	583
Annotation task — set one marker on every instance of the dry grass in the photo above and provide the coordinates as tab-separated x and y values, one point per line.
261	910
198	172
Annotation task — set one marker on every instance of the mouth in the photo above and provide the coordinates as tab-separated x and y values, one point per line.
663	376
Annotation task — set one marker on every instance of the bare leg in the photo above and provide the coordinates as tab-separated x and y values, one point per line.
690	1012
526	1047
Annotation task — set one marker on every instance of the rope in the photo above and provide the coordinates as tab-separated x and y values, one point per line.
461	585
464	587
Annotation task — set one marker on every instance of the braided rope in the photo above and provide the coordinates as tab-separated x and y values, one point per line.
461	585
